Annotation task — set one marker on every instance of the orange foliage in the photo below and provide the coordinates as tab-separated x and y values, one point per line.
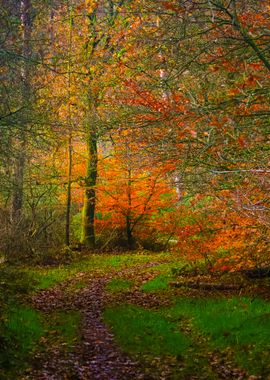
141	195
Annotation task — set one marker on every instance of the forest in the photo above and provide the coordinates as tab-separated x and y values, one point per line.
134	189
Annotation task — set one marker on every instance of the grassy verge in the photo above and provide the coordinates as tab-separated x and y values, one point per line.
158	283
234	329
154	340
164	275
21	329
24	331
240	325
143	331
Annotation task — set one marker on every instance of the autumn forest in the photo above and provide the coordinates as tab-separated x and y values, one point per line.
134	181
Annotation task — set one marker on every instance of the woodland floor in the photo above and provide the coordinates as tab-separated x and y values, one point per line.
115	317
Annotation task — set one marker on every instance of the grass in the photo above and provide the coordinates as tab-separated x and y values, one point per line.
156	284
154	339
119	285
64	326
21	330
188	332
142	331
237	327
47	277
240	324
228	321
161	281
24	330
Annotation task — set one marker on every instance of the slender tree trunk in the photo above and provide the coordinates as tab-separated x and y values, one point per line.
20	159
70	142
88	238
130	239
99	17
69	184
18	181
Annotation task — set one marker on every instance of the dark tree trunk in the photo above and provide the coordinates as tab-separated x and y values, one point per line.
70	142
129	227
20	159
88	238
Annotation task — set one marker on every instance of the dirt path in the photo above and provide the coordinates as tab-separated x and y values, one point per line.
97	357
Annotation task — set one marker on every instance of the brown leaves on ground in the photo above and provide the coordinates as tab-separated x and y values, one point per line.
97	357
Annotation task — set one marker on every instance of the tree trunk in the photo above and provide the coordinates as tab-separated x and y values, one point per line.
69	184
20	159
130	239
88	238
70	142
17	195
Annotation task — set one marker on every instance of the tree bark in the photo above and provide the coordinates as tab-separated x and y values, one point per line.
20	159
70	140
130	239
88	237
69	184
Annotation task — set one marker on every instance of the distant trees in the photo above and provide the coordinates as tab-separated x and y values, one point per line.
25	126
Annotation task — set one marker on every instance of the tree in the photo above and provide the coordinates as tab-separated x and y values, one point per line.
19	166
132	194
100	49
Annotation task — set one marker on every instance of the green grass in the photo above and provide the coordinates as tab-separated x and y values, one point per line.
187	332
119	285
47	277
24	330
228	321
20	331
145	332
238	327
161	281
64	326
241	324
156	284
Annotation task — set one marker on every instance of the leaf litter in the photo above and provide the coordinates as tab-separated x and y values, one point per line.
97	356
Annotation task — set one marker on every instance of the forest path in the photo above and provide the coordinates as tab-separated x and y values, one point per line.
96	356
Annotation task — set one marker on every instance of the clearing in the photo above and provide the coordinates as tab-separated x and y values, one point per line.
132	315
